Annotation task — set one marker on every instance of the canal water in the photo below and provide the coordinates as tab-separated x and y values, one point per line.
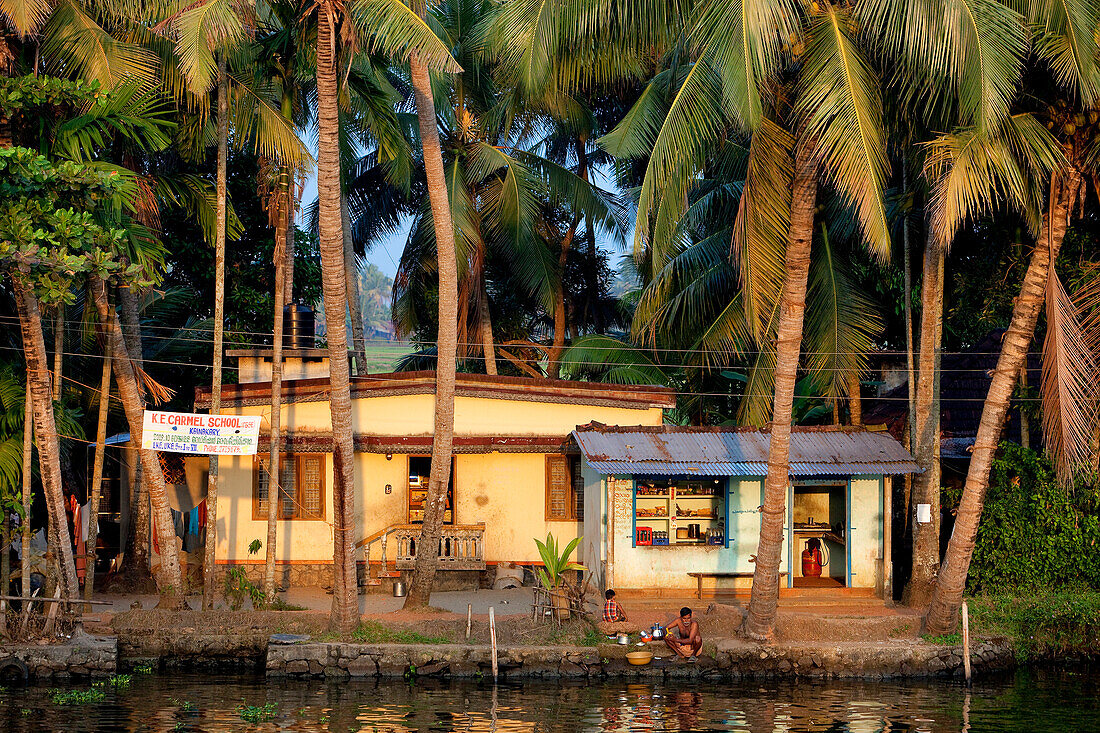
1036	700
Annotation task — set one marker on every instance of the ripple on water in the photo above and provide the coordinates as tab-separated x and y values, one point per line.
1035	701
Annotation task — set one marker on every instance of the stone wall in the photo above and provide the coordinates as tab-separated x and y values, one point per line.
295	575
733	659
81	656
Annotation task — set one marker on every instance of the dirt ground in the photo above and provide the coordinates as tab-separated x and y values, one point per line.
716	620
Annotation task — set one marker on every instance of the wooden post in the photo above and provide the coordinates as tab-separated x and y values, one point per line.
469	619
966	642
493	640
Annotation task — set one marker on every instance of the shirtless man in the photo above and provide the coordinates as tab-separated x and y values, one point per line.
690	641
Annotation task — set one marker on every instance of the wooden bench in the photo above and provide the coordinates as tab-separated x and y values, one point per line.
700	576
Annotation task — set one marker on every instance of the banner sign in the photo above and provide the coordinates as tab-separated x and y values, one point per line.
181	432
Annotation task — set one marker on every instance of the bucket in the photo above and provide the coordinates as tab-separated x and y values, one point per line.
399	589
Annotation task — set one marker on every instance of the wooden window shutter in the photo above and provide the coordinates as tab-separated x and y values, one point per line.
260	487
312	486
558	488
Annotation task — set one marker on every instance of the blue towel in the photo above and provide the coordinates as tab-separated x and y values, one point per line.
193	522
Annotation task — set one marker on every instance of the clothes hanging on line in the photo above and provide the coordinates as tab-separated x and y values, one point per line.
193	524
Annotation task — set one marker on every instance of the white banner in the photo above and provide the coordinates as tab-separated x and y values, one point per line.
182	432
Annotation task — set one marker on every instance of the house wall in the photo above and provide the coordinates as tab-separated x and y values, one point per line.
505	491
415	415
666	568
659	569
865	532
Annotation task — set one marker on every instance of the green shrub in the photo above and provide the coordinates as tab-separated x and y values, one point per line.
1034	533
1042	625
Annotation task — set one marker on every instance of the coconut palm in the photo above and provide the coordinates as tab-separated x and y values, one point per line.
1068	369
833	100
393	29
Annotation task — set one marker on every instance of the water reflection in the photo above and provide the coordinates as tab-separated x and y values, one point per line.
1062	701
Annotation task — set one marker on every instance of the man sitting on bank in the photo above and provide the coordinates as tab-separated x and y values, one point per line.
690	641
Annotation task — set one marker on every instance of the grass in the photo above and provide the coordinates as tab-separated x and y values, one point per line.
373	632
280	605
943	639
383	358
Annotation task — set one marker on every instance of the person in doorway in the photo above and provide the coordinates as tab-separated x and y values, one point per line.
614	617
690	641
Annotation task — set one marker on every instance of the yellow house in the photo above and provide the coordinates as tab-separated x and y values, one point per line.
516	472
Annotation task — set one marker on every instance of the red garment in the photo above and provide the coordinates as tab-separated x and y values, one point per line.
202	514
612	611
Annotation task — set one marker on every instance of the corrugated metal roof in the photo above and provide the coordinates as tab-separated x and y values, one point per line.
671	450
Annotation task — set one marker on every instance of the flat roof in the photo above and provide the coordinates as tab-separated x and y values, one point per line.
637	397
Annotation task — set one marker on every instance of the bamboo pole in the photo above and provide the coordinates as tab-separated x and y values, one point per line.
469	619
493	640
966	642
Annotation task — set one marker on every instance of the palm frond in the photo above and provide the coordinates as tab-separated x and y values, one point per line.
1066	40
840	100
972	170
392	29
25	16
744	42
1069	387
841	323
763	222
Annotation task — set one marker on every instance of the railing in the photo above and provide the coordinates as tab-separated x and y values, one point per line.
461	547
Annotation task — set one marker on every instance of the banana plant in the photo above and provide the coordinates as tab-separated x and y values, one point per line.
556	564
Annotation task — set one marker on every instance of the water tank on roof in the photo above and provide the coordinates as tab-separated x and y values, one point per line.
299	327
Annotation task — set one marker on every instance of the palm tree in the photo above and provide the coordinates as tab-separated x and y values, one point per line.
1068	380
97	465
840	137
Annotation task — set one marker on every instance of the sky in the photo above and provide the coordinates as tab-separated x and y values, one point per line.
386	254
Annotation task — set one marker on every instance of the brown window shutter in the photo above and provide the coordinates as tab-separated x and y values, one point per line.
260	483
311	491
558	488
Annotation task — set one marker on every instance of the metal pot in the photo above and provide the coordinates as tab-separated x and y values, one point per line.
623	639
399	589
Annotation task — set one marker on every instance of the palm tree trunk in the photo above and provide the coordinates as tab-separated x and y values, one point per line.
485	328
763	603
553	369
855	401
355	309
170	578
427	549
28	449
135	561
274	469
45	428
345	601
210	550
58	349
947	595
97	464
926	485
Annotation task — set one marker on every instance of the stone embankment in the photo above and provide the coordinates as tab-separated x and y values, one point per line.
82	655
732	659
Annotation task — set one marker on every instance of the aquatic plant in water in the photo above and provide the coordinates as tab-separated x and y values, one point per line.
257	713
76	697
